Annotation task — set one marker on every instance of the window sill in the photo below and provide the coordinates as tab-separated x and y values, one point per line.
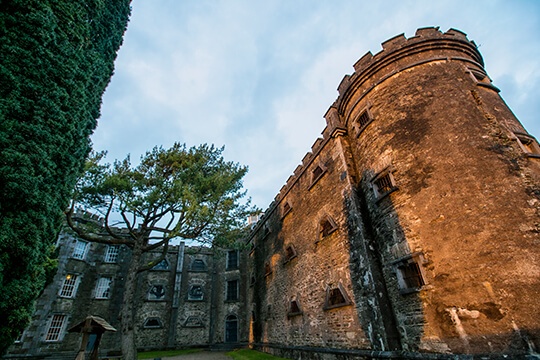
331	307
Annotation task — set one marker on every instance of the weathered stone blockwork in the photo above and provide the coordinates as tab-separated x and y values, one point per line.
409	231
432	184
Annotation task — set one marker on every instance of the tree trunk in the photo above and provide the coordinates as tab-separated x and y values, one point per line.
129	350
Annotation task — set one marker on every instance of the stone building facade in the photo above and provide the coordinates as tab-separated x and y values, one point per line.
410	230
412	226
193	298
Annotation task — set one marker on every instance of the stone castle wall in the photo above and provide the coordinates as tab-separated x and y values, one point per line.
410	230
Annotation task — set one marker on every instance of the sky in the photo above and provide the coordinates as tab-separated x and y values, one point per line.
258	76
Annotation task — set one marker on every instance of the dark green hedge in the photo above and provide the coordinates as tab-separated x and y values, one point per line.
56	58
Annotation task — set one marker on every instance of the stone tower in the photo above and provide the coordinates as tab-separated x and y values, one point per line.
413	223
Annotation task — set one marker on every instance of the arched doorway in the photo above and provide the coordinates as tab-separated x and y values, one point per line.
231	329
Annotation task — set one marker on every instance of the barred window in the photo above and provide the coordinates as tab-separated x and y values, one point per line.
69	286
384	184
79	252
56	326
111	256
103	288
409	272
363	119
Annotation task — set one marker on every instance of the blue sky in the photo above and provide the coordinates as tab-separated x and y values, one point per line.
258	76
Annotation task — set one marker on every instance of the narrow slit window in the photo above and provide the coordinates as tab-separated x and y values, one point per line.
267	269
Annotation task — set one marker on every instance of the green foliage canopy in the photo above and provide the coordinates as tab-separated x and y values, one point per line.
56	58
173	193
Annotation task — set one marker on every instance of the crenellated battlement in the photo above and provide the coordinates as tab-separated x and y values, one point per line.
398	53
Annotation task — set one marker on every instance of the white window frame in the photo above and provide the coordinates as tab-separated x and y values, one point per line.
111	256
103	288
69	286
56	328
79	253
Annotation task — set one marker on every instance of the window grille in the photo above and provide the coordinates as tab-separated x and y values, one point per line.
384	184
80	249
56	327
232	259
69	286
232	290
112	254
363	119
103	288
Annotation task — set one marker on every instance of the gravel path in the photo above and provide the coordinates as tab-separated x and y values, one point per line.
203	355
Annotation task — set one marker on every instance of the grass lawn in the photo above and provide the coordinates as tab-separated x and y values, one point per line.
158	354
247	354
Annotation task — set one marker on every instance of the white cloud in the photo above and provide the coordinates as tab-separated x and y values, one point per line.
259	76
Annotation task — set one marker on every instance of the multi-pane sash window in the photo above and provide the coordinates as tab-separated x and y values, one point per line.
232	290
80	249
69	286
103	288
56	327
232	259
112	254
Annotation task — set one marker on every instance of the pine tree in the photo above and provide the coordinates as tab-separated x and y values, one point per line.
56	59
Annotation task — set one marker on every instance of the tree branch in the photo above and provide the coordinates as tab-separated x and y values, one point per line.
162	257
96	239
